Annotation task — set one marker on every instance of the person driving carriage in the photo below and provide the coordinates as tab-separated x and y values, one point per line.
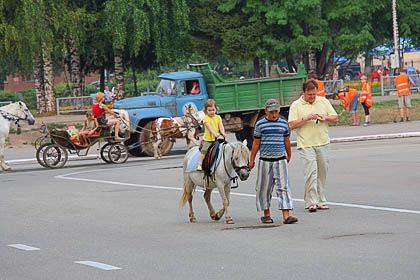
99	111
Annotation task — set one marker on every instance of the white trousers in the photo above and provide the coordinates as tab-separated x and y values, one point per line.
315	160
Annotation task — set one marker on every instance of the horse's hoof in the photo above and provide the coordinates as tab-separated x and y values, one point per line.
193	220
215	217
230	221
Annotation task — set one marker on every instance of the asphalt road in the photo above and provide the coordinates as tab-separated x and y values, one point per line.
124	221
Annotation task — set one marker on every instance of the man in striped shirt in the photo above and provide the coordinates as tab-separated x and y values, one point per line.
272	139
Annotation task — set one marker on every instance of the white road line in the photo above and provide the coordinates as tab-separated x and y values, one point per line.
333	140
99	265
361	206
23	247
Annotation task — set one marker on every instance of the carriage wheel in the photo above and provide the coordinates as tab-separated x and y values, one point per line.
104	153
54	156
146	141
118	153
40	154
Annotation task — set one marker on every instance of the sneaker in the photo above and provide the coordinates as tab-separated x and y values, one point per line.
407	119
199	168
402	119
118	139
366	124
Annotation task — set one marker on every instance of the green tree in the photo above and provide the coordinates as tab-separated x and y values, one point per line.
137	25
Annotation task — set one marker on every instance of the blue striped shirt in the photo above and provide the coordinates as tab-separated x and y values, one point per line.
272	135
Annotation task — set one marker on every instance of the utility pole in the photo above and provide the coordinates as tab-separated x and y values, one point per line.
396	36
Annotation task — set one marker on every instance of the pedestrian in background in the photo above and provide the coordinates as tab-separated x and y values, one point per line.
402	83
310	116
272	140
366	99
350	101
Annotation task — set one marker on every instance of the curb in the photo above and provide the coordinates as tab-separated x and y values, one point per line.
293	143
370	137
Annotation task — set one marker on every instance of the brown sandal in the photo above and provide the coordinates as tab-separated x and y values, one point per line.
266	220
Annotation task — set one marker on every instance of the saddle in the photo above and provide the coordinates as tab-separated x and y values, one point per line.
211	158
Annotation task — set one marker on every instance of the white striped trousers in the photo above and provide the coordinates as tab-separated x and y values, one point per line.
273	174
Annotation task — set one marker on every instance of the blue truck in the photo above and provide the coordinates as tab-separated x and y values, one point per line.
241	103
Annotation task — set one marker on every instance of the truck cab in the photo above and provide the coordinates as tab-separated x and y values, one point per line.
175	93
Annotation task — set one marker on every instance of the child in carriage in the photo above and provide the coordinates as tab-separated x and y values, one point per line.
213	129
90	125
99	110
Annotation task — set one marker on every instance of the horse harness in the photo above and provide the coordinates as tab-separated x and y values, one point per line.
213	157
234	179
13	118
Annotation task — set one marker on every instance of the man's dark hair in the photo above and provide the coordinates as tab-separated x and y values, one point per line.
309	85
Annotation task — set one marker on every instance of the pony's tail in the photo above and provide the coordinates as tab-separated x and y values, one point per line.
184	198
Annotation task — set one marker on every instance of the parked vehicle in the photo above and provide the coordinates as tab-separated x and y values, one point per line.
349	72
241	103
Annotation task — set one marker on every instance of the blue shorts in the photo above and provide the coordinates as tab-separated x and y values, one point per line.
354	103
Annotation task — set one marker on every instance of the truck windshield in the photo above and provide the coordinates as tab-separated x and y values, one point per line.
166	87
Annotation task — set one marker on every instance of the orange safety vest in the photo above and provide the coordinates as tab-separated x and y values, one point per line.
366	95
402	84
321	90
347	97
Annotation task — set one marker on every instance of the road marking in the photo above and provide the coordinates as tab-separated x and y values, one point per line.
23	247
99	265
351	205
332	140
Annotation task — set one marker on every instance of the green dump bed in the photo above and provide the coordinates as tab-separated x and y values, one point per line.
251	94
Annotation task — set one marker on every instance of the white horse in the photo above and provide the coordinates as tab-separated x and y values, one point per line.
12	113
234	159
186	127
124	120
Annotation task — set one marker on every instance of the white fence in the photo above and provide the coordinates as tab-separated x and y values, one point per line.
74	104
388	84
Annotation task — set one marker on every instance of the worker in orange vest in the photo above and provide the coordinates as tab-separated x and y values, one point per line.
402	84
321	89
350	101
366	98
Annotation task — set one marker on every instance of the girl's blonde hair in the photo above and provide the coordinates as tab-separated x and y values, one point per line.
100	96
209	103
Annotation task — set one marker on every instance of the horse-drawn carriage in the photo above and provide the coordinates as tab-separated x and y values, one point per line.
53	148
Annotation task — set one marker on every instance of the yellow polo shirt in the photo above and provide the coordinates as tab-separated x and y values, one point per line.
311	133
214	123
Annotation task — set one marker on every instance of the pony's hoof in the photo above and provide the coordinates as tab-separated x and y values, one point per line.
230	221
215	217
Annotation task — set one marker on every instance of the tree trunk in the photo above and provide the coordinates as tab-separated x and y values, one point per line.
257	73
76	73
102	79
119	77
322	61
368	64
39	85
48	81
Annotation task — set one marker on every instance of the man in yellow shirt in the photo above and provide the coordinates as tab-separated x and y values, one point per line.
310	115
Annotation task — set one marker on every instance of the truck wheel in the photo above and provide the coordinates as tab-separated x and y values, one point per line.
245	134
146	142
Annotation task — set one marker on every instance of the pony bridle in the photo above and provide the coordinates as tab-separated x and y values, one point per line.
13	118
235	167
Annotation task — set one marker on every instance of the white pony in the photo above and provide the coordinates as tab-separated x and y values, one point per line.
12	113
186	127
124	120
234	159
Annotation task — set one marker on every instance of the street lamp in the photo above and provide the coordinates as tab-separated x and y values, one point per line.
396	37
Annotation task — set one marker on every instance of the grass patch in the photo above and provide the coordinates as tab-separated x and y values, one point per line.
381	112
